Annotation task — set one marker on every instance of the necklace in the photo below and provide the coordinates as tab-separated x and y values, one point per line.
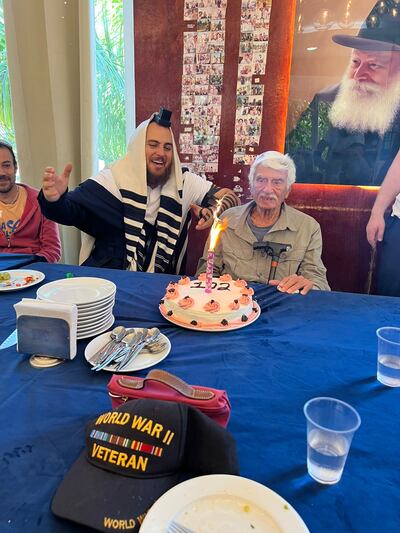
13	201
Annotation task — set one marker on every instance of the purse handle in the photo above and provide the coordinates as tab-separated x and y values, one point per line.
167	379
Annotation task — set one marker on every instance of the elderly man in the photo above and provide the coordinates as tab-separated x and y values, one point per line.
23	228
266	221
363	136
136	213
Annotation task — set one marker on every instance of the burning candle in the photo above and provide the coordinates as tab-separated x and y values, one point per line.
209	271
216	229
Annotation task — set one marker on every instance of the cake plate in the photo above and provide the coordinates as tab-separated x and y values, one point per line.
218	328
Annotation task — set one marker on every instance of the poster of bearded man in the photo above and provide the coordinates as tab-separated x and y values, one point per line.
350	132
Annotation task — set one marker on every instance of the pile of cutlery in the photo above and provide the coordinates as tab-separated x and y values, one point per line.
124	346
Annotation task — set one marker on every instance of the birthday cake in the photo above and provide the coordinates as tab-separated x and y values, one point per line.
230	303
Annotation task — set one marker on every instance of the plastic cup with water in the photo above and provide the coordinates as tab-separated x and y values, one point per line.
331	425
389	356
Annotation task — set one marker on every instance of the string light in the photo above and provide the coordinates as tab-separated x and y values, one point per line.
382	8
373	21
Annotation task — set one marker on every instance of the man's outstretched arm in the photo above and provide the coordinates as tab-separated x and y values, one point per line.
216	200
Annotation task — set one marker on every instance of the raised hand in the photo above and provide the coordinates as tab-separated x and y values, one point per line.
54	186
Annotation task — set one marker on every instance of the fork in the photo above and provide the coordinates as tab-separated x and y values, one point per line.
119	353
116	335
149	337
175	527
152	337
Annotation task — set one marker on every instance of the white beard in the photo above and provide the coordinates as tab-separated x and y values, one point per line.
361	107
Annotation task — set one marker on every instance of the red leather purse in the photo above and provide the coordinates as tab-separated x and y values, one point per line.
161	385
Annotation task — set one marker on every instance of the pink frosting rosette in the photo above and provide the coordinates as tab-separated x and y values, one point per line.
234	305
247	291
225	277
171	293
185	280
186	302
244	300
240	283
212	306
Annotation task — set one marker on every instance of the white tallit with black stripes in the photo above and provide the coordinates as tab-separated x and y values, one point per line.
130	176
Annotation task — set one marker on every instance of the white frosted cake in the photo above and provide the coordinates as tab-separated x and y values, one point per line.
230	302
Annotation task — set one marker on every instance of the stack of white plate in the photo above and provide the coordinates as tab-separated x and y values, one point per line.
94	298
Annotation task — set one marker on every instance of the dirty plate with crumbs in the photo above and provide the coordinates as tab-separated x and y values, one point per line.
14	280
221	503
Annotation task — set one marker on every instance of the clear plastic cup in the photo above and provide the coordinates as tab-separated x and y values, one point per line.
389	356
331	425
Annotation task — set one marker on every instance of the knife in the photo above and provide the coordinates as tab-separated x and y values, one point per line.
10	340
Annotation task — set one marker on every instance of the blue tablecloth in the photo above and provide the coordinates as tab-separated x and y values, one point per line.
323	344
13	261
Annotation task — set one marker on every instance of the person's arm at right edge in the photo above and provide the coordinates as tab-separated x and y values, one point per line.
388	191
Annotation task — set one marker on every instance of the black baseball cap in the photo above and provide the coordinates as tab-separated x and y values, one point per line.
133	455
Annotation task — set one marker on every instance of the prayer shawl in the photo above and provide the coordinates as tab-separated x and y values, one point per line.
130	176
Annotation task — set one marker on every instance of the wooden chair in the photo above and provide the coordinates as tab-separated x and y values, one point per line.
342	212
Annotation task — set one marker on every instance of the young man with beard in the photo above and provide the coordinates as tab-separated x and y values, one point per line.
136	213
23	228
364	109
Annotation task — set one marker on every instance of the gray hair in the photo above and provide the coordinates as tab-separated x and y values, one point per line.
276	161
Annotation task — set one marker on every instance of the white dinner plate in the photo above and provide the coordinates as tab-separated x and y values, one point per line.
95	311
79	291
223	503
96	324
93	307
95	331
92	319
144	360
17	279
215	329
97	304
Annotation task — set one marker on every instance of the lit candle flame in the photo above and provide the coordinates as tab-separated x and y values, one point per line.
216	228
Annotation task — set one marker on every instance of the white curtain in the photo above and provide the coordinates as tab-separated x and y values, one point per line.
50	47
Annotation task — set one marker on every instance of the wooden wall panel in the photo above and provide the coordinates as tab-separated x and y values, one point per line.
158	57
277	76
158	33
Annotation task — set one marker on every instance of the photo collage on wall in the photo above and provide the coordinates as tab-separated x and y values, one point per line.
202	79
254	35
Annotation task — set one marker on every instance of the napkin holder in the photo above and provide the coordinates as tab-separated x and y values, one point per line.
46	328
